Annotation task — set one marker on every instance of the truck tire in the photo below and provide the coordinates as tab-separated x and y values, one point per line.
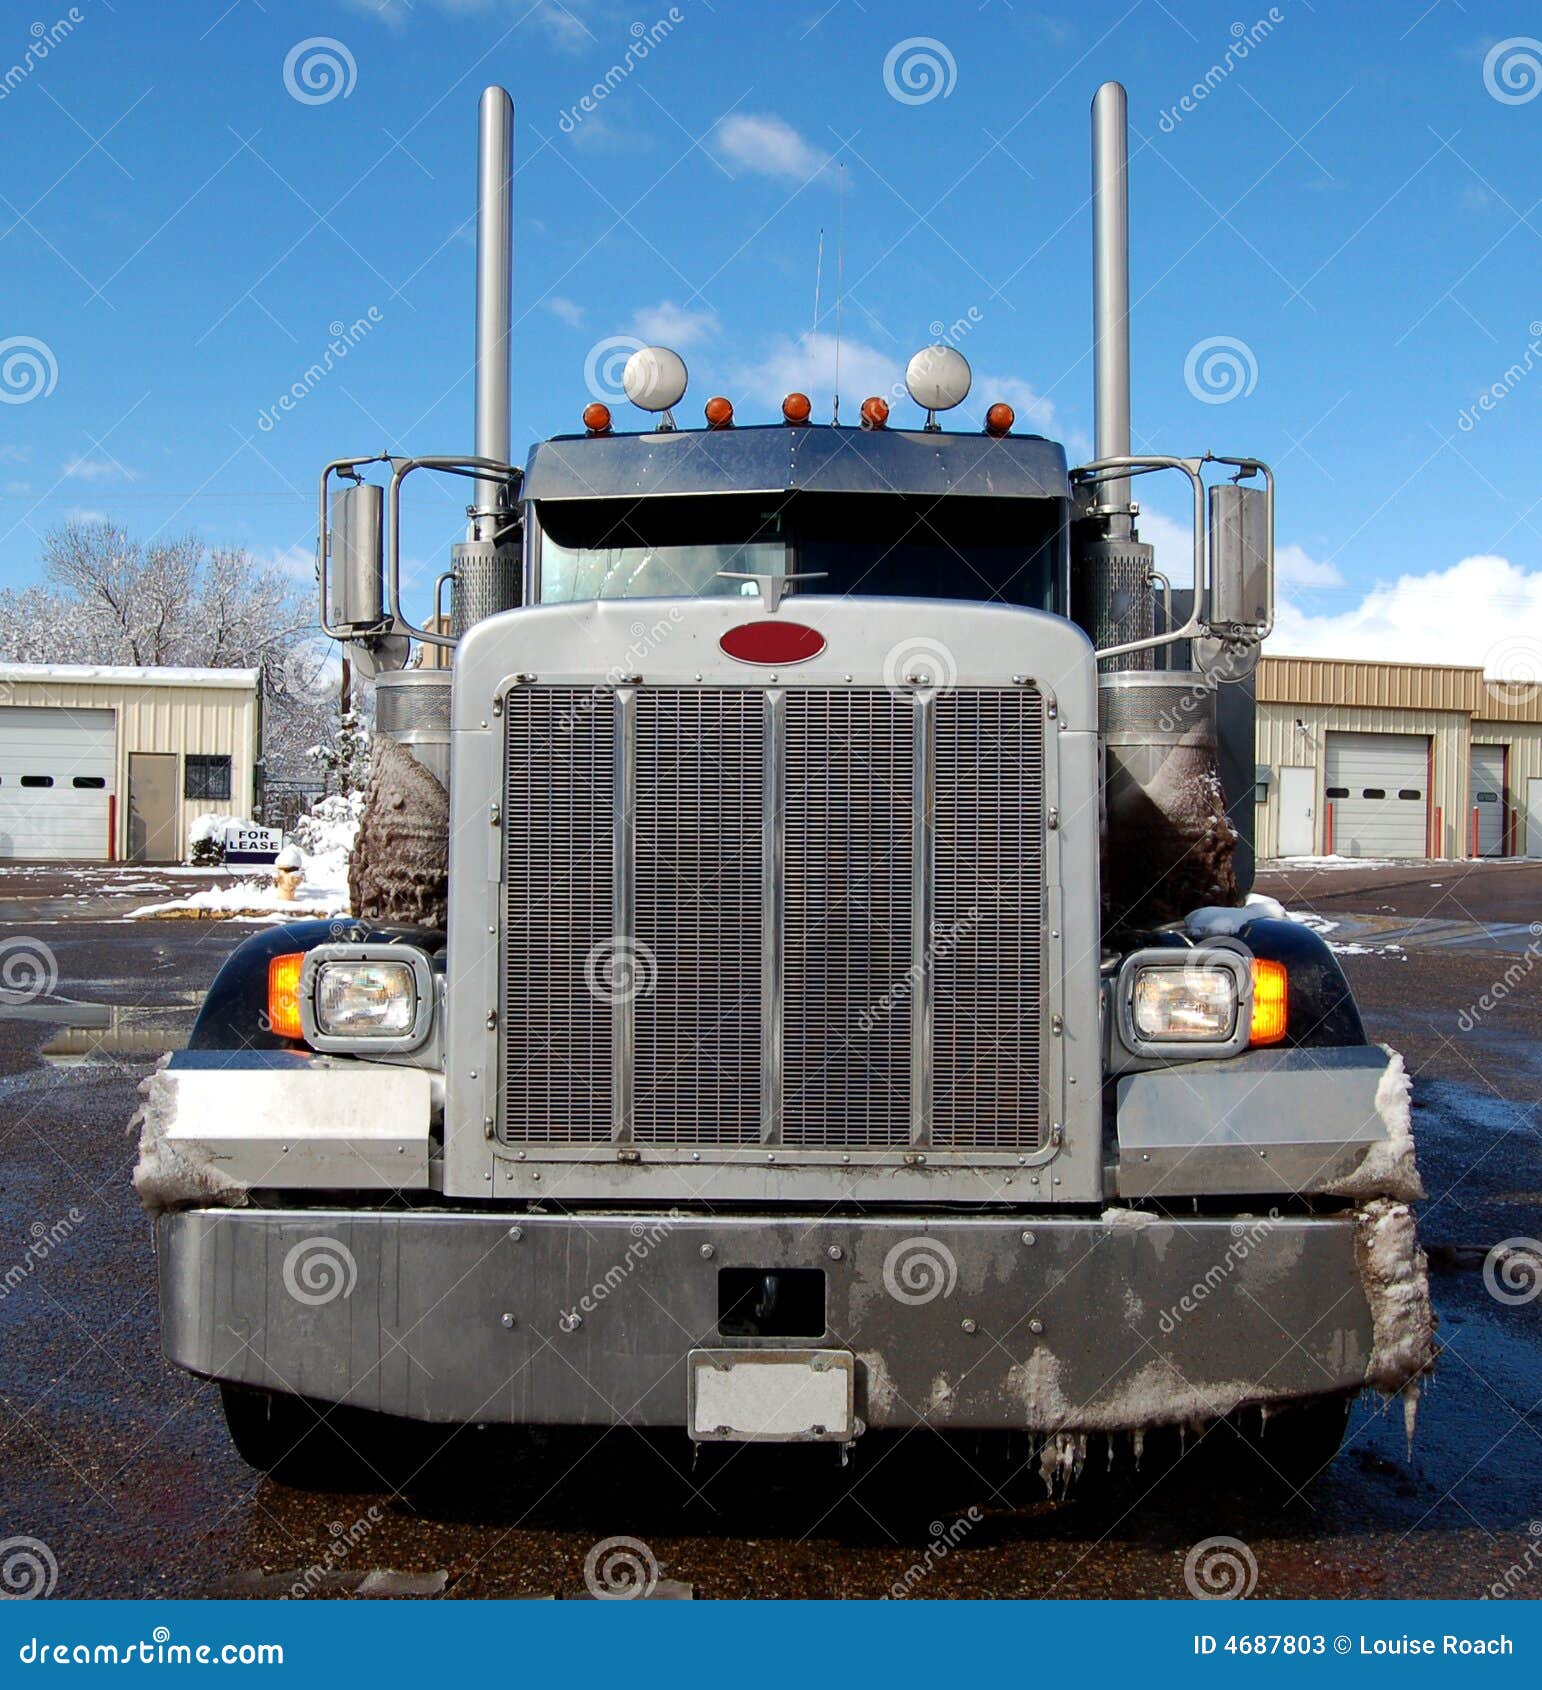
299	1444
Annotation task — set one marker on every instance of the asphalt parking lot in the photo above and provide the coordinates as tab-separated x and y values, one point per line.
121	1467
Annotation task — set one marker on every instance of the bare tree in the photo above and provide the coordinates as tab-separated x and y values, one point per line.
110	599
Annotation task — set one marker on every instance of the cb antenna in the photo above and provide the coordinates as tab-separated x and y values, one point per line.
813	337
840	286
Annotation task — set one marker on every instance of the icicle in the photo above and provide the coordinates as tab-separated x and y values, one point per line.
1410	1412
1138	1446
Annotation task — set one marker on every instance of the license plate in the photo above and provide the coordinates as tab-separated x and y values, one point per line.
772	1396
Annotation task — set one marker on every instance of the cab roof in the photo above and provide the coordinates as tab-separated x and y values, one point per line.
778	458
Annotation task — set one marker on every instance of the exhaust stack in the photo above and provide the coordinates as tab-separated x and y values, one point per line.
1111	291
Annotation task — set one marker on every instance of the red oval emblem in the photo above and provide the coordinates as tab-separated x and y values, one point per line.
774	644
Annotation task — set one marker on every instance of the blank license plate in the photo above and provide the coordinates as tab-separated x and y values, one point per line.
772	1396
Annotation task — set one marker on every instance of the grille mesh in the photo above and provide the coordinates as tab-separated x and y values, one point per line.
559	810
987	939
700	765
849	898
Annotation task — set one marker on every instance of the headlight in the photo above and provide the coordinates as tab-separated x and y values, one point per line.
366	998
1185	1002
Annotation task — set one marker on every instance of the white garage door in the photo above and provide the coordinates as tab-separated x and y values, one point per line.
1486	801
1378	785
56	775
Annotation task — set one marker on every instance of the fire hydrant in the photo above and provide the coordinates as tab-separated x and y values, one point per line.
288	872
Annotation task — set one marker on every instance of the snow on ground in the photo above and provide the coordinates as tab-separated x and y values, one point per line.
1217	921
1329	863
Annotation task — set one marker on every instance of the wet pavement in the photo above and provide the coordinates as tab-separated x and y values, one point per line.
121	1465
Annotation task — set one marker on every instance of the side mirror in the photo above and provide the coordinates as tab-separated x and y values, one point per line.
356	557
1241	559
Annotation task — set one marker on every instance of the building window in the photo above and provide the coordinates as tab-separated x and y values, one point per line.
1338	791
89	783
37	780
207	777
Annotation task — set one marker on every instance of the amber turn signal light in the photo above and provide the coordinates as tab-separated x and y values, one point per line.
284	994
719	412
999	419
796	408
1270	983
875	412
597	418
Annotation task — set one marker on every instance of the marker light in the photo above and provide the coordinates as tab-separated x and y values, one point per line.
1270	996
938	378
284	994
654	378
597	418
999	419
796	408
875	412
719	413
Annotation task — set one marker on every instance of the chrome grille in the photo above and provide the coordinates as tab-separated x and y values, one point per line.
804	916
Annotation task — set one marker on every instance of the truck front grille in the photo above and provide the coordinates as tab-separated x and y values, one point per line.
750	916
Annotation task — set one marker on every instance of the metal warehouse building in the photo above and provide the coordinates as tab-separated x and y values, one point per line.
113	764
1396	760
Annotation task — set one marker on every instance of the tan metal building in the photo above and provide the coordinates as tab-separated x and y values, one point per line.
1395	760
113	764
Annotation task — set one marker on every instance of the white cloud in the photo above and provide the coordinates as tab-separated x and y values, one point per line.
296	560
1035	413
74	513
1294	567
562	20
570	312
1482	611
770	145
15	454
807	365
98	469
668	324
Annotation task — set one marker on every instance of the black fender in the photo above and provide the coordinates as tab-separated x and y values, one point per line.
234	1012
1320	1009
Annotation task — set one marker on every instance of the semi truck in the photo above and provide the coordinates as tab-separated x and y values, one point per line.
802	980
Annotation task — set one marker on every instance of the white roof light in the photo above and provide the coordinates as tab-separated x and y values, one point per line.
654	378
938	378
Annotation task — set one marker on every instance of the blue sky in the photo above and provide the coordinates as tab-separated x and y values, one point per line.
1351	209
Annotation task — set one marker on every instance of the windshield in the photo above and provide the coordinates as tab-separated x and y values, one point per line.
879	544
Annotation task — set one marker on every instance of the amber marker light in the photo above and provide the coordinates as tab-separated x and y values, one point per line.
796	408
597	418
1270	983
719	412
999	419
284	994
875	412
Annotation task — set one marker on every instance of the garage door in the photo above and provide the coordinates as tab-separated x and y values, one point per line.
1378	785
1486	800
56	775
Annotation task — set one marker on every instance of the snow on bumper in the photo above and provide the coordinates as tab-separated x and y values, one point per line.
216	1125
1057	1325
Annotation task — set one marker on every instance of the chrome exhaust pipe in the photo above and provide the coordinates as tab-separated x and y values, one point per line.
1111	294
495	279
